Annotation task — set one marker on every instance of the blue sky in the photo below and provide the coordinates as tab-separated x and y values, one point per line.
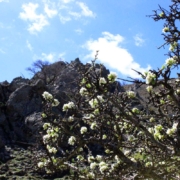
51	30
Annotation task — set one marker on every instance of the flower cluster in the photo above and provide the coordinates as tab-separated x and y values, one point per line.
131	94
93	165
83	91
93	125
83	130
48	97
51	149
93	103
165	29
103	167
68	106
161	14
156	131
112	77
149	89
135	110
172	130
173	46
102	81
55	102
71	119
72	140
150	78
52	133
170	62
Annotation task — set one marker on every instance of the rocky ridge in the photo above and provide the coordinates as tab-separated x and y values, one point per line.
20	114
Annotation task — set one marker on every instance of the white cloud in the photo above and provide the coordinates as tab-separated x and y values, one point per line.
66	1
29	46
4	1
139	41
76	15
73	10
37	21
64	19
78	31
50	12
113	55
85	10
50	57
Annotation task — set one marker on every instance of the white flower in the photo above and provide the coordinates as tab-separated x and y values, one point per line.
112	76
83	91
93	165
91	175
72	140
126	152
148	164
55	102
40	164
69	105
103	166
93	103
161	14
114	166
135	110
47	96
83	130
100	98
170	62
116	158
46	138
151	119
131	94
170	132
107	151
80	158
151	130
102	80
90	159
178	91
83	81
150	78
171	48
96	111
165	29
104	136
149	89
175	126
46	125
93	125
158	127
88	116
99	157
162	163
51	149
71	119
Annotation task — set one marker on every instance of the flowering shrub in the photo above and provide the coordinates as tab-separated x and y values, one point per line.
134	143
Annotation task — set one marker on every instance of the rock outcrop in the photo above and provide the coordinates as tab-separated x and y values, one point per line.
21	100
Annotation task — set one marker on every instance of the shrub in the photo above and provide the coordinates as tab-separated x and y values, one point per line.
102	136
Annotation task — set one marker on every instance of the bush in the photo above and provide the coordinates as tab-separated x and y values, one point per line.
102	136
